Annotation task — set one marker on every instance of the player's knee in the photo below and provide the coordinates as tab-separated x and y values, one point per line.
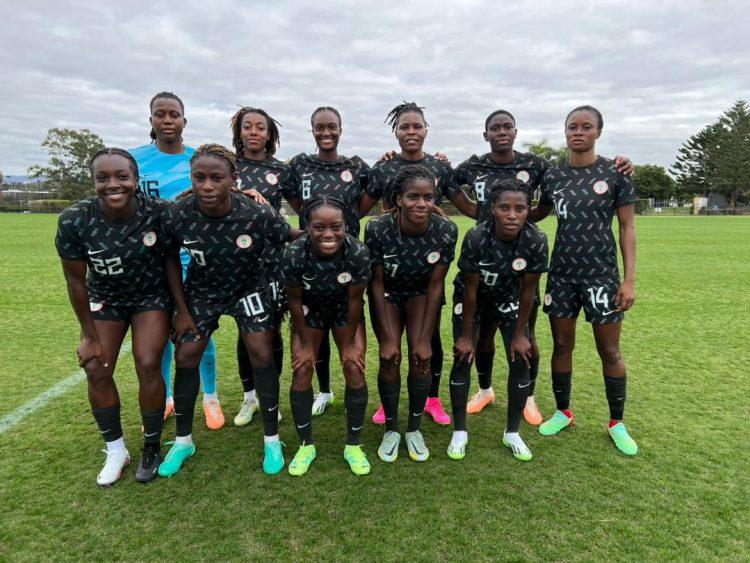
302	378
148	365
354	376
185	357
97	375
610	354
563	345
388	370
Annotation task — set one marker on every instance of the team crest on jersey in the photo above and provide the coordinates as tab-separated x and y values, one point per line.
94	307
548	299
344	277
244	241
523	176
601	187
346	176
149	239
433	257
519	264
272	178
459	308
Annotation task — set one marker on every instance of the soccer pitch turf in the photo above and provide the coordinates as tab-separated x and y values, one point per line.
685	496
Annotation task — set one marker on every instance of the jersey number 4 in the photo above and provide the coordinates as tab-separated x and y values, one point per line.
107	266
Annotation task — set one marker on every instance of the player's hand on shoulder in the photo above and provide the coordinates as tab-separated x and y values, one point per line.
183	194
390	155
625	296
624	165
90	349
255	195
442	157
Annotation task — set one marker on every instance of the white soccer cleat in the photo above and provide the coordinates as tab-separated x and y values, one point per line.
116	461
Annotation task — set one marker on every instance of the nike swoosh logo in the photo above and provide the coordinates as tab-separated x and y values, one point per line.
307	174
356	429
149	435
557	191
608	313
393	449
388	418
389	255
107	430
457	383
482	176
263	319
273	408
298	426
524	386
92	252
304	277
485	263
417	413
190	241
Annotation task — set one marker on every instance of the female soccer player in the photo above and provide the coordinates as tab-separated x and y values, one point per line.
328	173
408	124
481	172
587	192
255	137
116	237
325	274
226	234
501	262
411	249
165	173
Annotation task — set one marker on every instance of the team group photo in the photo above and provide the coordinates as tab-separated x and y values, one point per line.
353	317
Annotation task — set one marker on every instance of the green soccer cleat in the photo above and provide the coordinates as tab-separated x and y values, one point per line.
302	460
457	447
175	458
415	445
556	424
622	439
388	450
357	460
516	444
273	459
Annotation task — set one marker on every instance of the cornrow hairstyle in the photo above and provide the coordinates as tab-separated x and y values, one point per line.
119	152
406	107
591	109
170	96
507	185
405	177
322	200
274	138
498	112
325	108
213	149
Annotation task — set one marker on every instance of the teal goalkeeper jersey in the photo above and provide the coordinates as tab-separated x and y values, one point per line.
163	175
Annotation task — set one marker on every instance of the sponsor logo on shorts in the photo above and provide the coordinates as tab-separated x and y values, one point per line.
94	307
244	241
458	308
346	176
601	187
523	176
272	178
149	239
547	299
344	277
519	264
433	257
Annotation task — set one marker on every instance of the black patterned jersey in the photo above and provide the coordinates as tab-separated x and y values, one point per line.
408	261
226	252
481	173
273	179
383	174
346	179
501	266
125	259
585	200
325	281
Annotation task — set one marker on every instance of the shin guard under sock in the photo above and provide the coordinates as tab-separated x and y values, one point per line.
390	392
323	364
108	421
418	389
459	387
561	385
355	401
267	389
153	421
278	352
436	362
244	366
302	402
533	372
518	392
186	384
484	359
616	389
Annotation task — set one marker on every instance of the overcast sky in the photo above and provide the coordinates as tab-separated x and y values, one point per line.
658	71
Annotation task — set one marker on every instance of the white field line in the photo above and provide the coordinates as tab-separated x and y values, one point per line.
10	420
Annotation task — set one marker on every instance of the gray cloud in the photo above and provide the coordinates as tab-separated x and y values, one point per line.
657	72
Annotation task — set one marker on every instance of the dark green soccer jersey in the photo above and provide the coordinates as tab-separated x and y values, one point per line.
325	282
346	179
383	174
125	259
482	174
408	261
226	251
585	200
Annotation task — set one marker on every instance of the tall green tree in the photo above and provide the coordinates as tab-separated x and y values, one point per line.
653	181
67	171
717	158
555	156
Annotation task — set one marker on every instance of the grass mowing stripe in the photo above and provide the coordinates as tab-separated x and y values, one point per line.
10	420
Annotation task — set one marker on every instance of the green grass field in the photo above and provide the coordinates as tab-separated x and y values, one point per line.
685	496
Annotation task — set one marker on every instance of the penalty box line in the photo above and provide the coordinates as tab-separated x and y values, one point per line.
40	401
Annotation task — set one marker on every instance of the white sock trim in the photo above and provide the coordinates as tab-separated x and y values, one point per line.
186	440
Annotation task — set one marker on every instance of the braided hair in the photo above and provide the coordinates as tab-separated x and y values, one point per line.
406	107
322	200
119	152
592	109
498	112
274	139
213	149
169	96
507	185
325	108
406	176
